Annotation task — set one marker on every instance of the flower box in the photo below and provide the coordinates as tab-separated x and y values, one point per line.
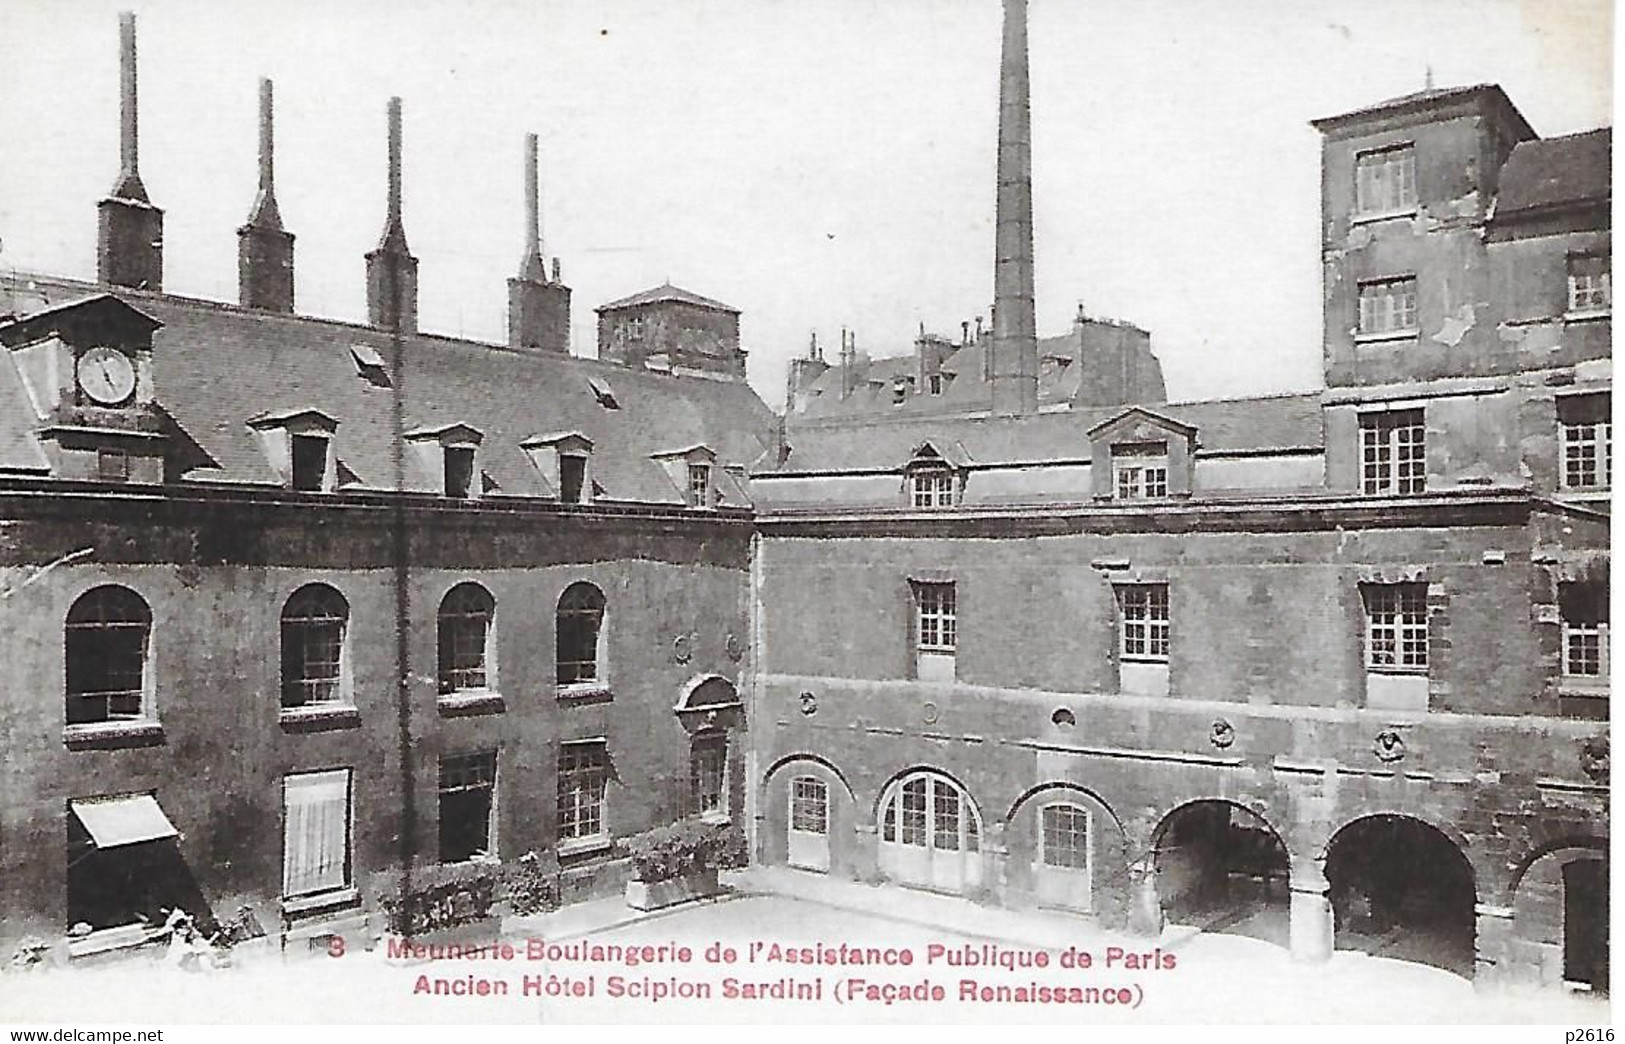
654	895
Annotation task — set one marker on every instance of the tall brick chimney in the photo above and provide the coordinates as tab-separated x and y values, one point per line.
1014	360
129	229
264	248
538	308
392	271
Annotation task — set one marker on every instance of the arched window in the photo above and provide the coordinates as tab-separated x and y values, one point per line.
106	637
314	622
580	626
464	638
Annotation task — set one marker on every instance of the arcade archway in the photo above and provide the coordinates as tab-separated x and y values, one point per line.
1221	868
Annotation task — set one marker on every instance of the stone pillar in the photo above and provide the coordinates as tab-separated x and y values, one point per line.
865	856
1145	906
1492	963
1311	911
995	858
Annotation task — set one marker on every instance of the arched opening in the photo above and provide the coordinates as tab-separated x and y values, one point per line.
106	638
930	834
464	640
1585	925
579	636
1401	888
314	654
1221	868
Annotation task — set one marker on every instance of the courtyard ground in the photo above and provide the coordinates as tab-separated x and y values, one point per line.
1214	977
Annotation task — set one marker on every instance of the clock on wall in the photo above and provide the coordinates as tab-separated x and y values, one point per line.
106	375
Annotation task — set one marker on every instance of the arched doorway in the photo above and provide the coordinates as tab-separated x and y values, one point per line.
1585	924
1220	867
1401	888
930	834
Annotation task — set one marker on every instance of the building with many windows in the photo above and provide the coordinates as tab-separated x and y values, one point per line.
307	619
1329	669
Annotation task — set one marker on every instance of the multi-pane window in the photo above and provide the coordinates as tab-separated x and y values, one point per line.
309	459
913	805
1140	471
1393	452
1385	179
1590	283
459	464
933	487
315	832
572	478
313	625
106	637
708	774
699	485
1144	622
1396	627
809	805
1065	839
1585	440
583	781
1388	306
464	626
1584	608
936	622
467	800
579	625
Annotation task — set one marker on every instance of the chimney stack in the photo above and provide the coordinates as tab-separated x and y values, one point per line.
1013	361
130	230
264	248
392	271
538	309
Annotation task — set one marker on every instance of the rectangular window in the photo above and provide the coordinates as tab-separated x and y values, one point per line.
936	623
1396	627
459	471
572	478
583	782
1393	452
1385	180
914	818
809	806
930	489
708	774
1140	471
467	803
112	465
699	485
1388	306
315	832
1590	283
1066	837
1145	632
1584	608
1585	440
933	383
310	462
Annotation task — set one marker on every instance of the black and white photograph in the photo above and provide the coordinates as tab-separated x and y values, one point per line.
1075	512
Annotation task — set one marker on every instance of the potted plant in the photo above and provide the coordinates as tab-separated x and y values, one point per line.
677	863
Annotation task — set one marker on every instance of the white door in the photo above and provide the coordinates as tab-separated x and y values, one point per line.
1064	869
930	836
809	824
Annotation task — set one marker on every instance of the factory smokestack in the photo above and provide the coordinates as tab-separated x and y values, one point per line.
264	248
1013	368
130	230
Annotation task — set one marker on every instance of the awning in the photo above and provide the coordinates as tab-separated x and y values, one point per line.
125	820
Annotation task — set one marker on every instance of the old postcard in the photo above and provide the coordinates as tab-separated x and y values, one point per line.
721	511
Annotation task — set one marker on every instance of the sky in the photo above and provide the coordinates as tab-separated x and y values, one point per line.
818	164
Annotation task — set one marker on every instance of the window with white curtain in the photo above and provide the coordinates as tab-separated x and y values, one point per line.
315	832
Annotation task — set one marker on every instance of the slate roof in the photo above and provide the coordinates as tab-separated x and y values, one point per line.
1432	98
217	366
1548	172
667	292
1269	423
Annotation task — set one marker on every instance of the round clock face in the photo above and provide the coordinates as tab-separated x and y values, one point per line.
106	375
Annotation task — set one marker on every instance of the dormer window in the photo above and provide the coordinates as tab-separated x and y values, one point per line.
447	460
933	383
931	488
1140	471
459	471
299	447
563	458
699	485
572	478
309	460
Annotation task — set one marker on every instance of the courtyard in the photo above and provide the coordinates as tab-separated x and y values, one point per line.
791	946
